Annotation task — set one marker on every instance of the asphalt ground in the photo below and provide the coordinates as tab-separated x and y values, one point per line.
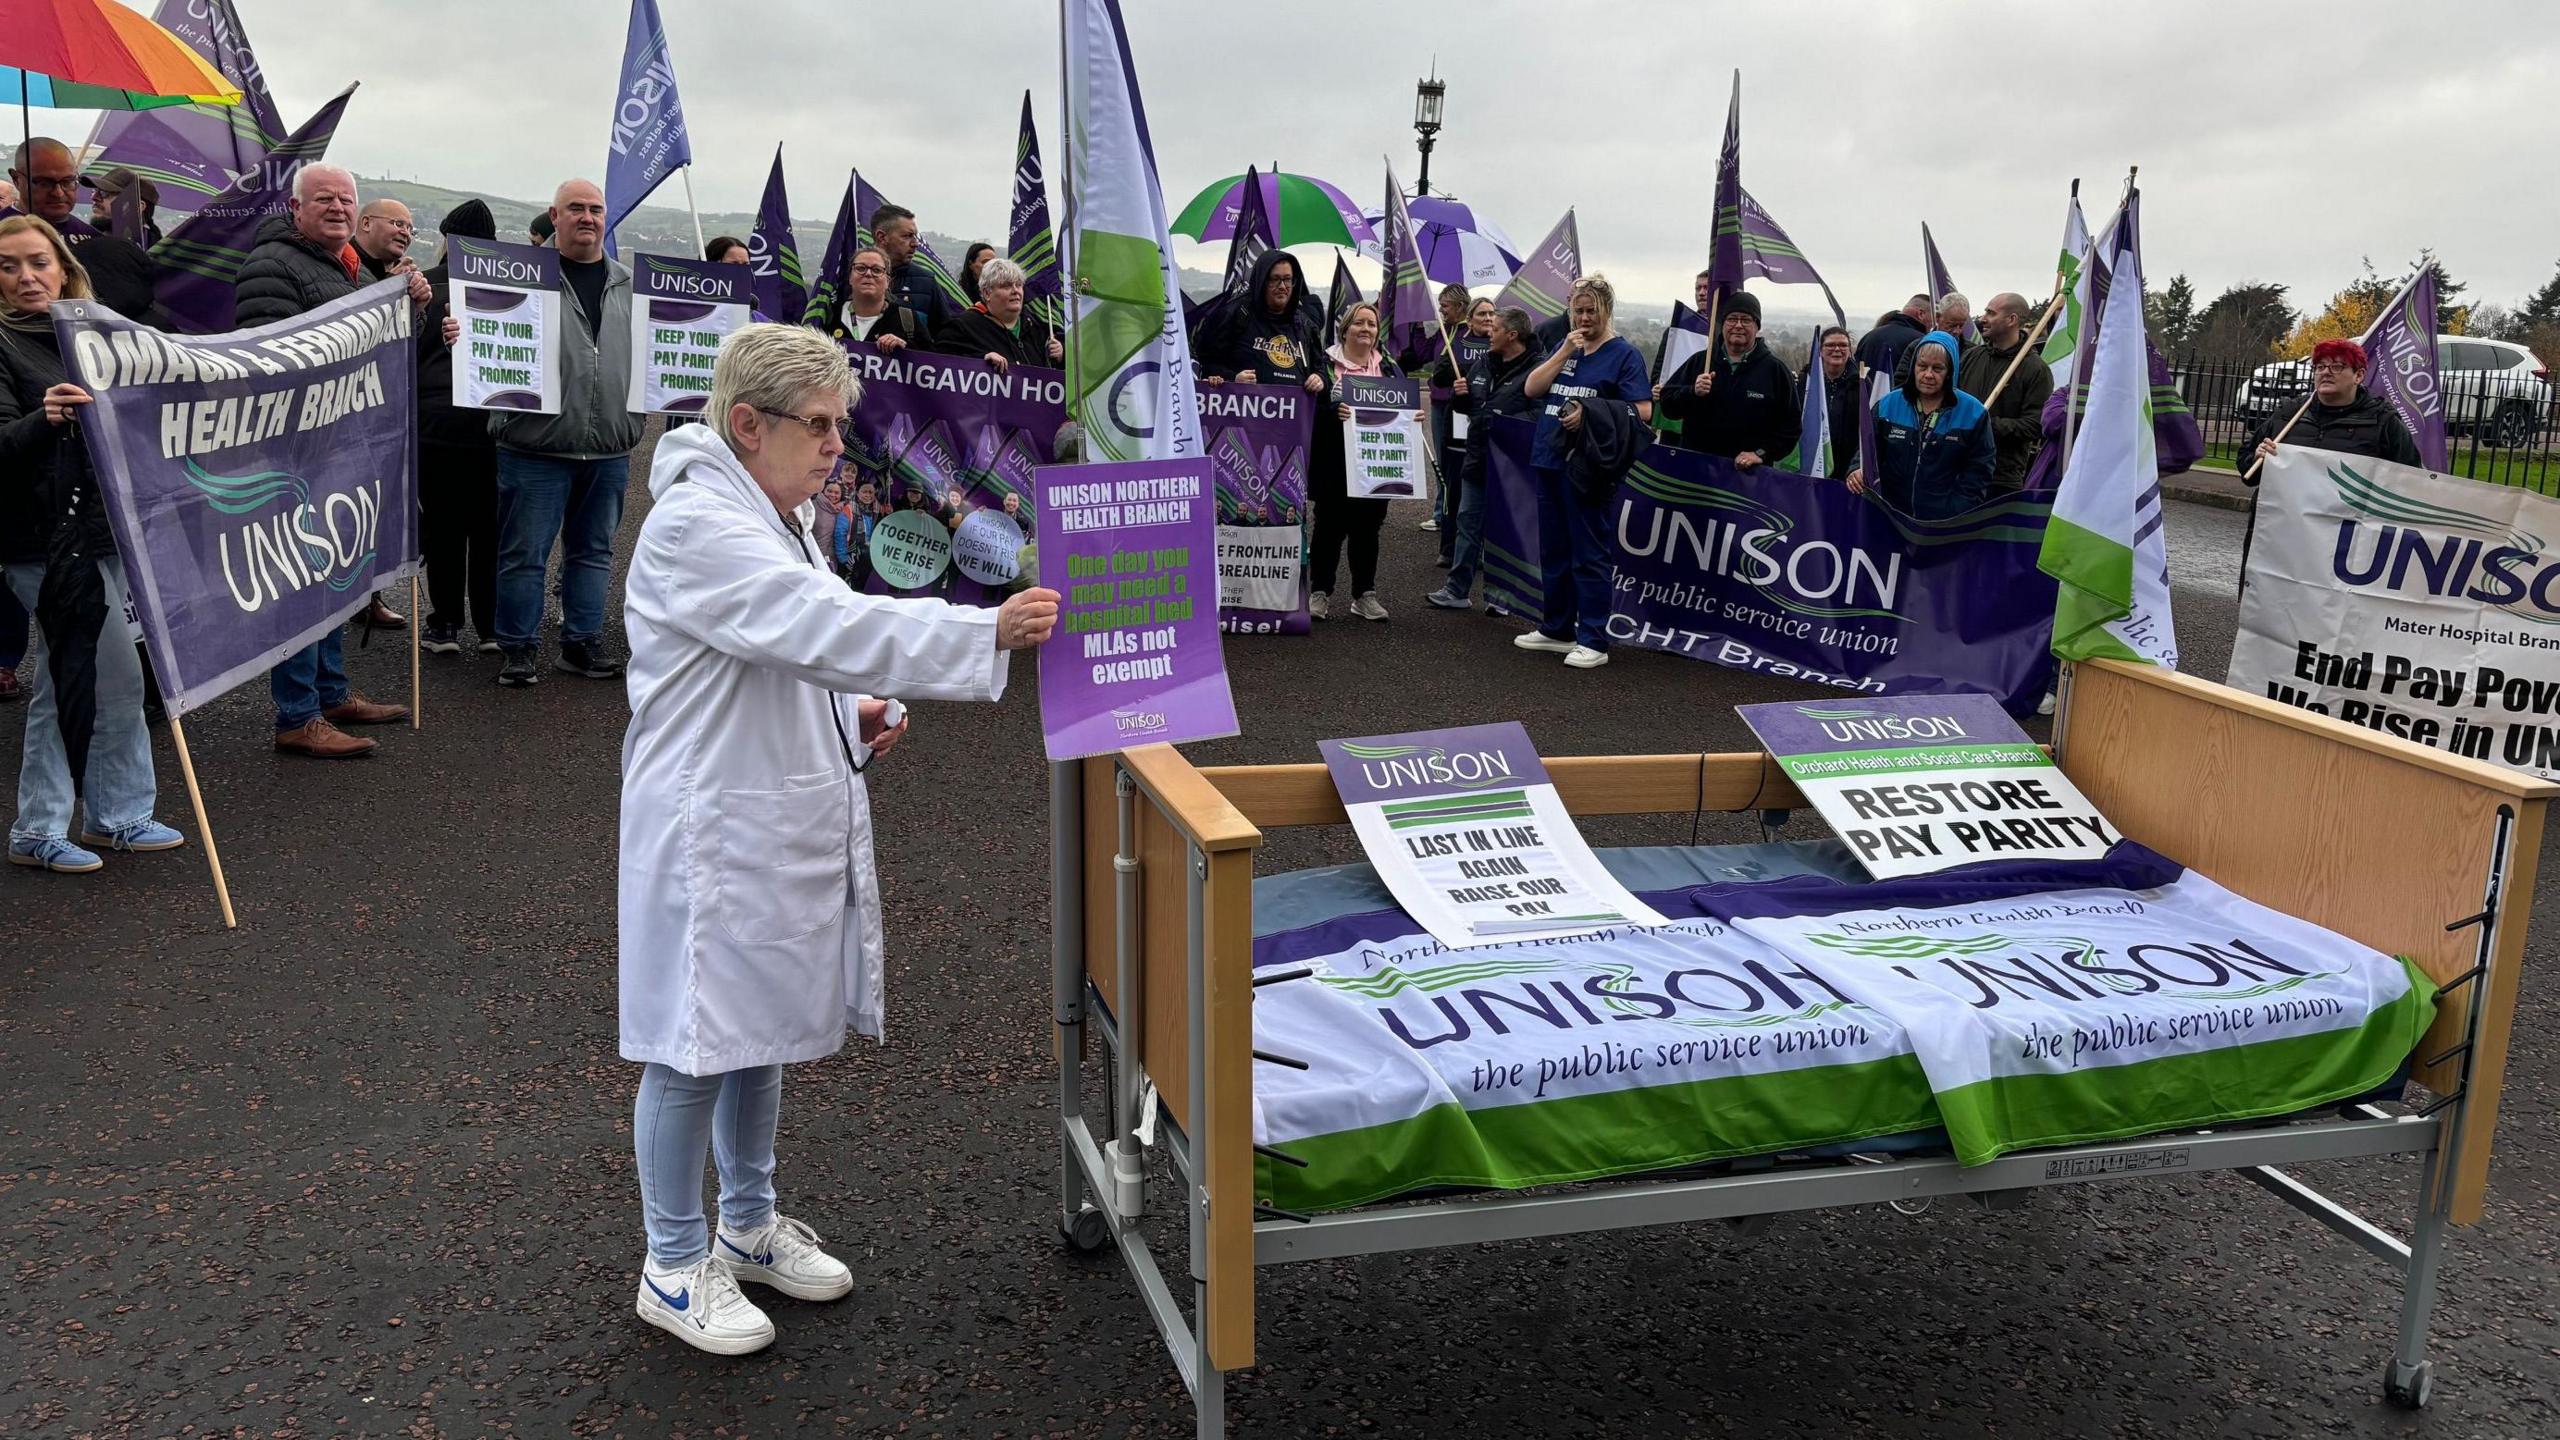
362	1166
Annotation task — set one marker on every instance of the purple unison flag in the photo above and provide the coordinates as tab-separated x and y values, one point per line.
194	152
1132	549
1342	295
649	140
1253	238
1942	285
1408	316
852	231
774	253
202	257
2177	441
261	485
1724	257
1031	243
2401	368
1769	254
1546	275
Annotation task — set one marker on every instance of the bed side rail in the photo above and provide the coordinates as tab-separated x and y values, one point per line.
2411	850
1277	796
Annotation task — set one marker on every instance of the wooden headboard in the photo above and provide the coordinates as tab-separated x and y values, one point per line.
2379	839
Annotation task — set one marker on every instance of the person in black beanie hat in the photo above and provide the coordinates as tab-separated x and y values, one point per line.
1734	399
457	470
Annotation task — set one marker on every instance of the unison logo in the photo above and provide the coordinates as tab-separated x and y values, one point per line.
1758	546
2441	551
294	542
1388	766
480	263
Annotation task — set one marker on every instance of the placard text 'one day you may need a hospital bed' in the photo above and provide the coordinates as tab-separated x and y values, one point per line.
1471	839
1918	783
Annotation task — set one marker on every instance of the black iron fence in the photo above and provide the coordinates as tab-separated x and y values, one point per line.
2501	426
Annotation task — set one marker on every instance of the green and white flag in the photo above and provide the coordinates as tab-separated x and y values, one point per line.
2106	542
1128	357
2062	338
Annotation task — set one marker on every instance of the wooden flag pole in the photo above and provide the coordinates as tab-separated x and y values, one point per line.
2026	345
417	622
204	826
2299	411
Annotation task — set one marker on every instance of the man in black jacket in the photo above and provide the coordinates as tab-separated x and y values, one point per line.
1879	348
1495	384
2342	416
1734	399
2017	413
457	470
121	275
304	260
893	229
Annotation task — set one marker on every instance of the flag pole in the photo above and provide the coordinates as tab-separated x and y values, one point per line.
204	826
2309	394
686	170
2027	344
417	622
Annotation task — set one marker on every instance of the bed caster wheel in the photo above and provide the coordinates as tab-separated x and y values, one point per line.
2409	1387
1087	1231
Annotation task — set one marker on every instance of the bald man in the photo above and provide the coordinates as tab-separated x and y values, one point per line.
383	233
121	275
303	260
561	477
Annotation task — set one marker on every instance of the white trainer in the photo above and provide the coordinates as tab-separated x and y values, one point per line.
1538	640
1367	606
785	1255
702	1306
1583	657
1320	606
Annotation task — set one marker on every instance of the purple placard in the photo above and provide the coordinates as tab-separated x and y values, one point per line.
672	284
1368	769
1789	729
1132	550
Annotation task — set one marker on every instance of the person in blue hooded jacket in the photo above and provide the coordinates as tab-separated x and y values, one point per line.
1934	449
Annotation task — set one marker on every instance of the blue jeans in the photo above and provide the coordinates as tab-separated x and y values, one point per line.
310	680
676	1118
1466	553
121	785
1575	564
542	498
13	630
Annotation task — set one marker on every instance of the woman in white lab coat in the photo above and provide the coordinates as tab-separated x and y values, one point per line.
750	912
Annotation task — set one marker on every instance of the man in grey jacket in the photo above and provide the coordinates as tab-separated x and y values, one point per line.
560	477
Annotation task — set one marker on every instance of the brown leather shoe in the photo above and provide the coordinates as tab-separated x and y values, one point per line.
323	741
383	617
357	710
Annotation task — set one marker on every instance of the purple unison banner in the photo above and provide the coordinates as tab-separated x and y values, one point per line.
1797	577
1132	550
262	484
952	437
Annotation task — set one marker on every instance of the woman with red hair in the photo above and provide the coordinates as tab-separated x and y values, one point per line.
2342	416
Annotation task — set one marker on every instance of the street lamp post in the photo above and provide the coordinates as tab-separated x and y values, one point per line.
1428	96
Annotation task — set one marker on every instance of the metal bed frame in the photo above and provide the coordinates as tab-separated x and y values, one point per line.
1172	909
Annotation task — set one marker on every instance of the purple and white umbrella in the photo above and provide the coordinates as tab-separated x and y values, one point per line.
1458	247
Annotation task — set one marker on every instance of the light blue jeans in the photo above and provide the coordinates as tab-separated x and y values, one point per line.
676	1118
122	787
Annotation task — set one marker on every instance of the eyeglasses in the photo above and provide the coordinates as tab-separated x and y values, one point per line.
816	425
53	182
2332	367
870	269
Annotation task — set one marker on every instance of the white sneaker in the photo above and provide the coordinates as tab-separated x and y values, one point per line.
701	1306
1433	523
2045	705
1367	606
1536	640
785	1255
1320	606
1583	657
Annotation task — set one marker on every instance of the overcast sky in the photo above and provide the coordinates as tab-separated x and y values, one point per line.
2277	142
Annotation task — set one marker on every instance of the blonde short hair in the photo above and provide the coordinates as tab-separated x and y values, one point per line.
1599	289
75	276
770	367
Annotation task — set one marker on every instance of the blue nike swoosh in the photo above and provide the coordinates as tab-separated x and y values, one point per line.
764	1259
678	1301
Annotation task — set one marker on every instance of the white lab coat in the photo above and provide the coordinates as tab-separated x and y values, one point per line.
750	911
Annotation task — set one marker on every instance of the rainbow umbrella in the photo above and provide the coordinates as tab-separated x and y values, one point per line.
1307	211
98	55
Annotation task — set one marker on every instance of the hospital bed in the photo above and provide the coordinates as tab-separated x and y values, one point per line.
2409	850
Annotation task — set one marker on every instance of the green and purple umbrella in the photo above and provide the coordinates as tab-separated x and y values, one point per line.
1305	210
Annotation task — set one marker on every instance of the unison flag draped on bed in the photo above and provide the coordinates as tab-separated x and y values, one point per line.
1128	357
1029	242
774	252
194	152
2106	543
2400	352
200	260
648	142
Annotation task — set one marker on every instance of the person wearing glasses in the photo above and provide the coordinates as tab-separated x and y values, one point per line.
122	275
749	908
867	315
2342	416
